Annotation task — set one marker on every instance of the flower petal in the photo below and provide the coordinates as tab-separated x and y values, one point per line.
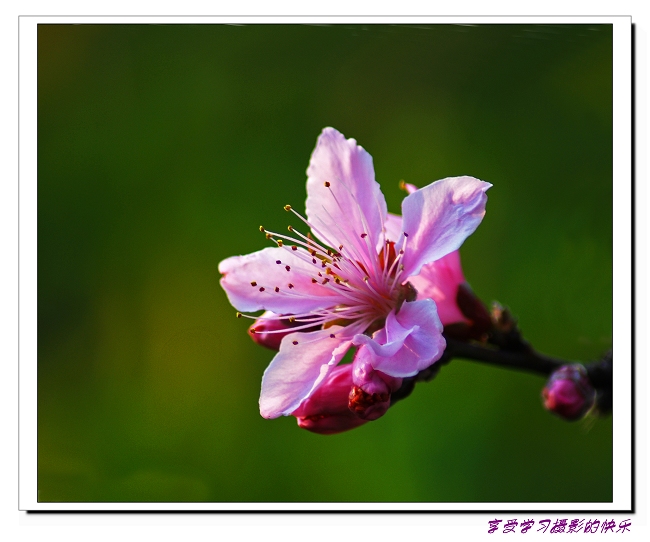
250	282
352	204
298	369
439	217
410	342
439	281
393	227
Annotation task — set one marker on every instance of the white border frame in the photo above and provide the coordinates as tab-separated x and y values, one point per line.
622	246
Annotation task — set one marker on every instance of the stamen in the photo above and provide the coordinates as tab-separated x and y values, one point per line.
364	235
278	262
277	289
262	229
261	288
314	281
290	286
332	336
287	208
279	242
253	283
239	315
294	343
294	247
287	267
327	184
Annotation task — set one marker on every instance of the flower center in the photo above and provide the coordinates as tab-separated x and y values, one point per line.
365	280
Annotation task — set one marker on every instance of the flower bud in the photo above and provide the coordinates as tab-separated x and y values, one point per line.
568	392
326	410
369	398
268	322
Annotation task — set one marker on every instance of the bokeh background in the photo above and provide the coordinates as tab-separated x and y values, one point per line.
162	148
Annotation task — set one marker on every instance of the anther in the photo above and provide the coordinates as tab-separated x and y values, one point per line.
402	185
366	279
287	208
340	247
314	281
279	242
278	262
406	234
292	319
287	267
277	289
239	315
313	260
290	286
325	280
337	280
290	228
329	271
253	283
269	236
294	343
253	330
294	247
332	336
364	235
327	184
262	229
401	251
261	288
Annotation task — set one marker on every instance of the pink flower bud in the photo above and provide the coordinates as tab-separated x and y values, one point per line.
271	322
326	410
369	399
568	392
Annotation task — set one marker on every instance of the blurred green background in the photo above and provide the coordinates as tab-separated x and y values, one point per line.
162	148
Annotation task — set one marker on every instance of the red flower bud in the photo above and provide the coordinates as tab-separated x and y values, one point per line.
370	397
326	410
568	392
270	321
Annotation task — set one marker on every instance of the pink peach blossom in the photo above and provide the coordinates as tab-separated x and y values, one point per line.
351	279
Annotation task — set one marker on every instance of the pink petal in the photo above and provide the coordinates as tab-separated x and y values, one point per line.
439	281
410	188
353	204
410	342
439	217
250	282
298	369
393	227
